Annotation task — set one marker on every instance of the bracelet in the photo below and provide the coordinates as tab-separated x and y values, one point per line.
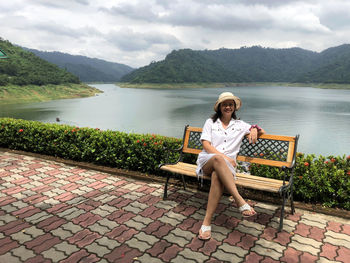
255	126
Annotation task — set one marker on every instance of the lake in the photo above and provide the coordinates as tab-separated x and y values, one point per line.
320	116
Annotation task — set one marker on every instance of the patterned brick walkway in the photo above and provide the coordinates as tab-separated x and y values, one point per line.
52	212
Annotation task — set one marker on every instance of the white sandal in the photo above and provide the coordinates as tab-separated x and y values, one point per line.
205	232
246	207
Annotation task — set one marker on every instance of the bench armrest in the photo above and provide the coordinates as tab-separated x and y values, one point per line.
168	151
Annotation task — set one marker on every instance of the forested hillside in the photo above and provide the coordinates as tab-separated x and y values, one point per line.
253	64
87	69
24	68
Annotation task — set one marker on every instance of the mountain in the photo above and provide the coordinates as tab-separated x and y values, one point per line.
248	64
87	69
23	68
332	66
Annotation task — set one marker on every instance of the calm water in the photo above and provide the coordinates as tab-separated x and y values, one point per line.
320	116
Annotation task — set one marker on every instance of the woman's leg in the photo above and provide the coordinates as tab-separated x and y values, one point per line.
218	165
215	193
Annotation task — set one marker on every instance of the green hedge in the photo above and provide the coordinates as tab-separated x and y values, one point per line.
324	180
139	152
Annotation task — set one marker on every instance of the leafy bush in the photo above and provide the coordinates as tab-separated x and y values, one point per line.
139	152
324	180
316	179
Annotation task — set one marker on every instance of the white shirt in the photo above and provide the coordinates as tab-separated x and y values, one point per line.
227	141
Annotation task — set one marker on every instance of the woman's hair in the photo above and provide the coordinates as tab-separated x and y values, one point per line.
218	113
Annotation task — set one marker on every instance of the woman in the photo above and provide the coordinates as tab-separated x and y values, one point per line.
221	138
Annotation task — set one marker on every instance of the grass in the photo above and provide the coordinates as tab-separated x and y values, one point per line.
223	85
18	94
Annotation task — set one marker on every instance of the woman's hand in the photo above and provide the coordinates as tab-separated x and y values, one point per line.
254	134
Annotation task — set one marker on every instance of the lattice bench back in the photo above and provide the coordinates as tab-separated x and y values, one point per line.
274	150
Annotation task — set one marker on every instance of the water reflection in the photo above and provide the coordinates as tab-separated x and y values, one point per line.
321	117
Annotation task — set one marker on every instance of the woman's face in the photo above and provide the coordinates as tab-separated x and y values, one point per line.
227	107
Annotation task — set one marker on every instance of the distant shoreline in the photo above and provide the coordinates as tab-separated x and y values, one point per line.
12	94
224	85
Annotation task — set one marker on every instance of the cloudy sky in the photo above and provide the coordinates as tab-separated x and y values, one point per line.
136	32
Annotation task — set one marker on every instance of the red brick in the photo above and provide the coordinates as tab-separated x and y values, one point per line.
65	196
53	172
170	253
58	208
154	226
5	173
51	223
86	219
42	243
146	189
83	238
346	229
13	227
94	193
48	180
283	238
296	217
263	219
302	229
126	235
234	238
149	199
117	231
7	200
253	258
221	219
317	233
291	255
76	257
344	254
334	226
163	231
26	211
158	248
123	254
34	198
7	244
329	251
42	188
21	181
196	244
125	217
153	212
70	187
269	260
210	246
269	233
307	257
97	185
13	190
119	183
187	223
247	241
99	176
37	259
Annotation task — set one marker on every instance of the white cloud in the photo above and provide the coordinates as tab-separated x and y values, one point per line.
136	32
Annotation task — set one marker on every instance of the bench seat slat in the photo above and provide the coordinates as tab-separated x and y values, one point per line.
245	180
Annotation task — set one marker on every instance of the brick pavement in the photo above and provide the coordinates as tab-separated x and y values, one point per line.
53	212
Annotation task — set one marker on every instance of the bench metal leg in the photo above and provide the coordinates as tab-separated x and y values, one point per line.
292	201
165	195
282	212
183	181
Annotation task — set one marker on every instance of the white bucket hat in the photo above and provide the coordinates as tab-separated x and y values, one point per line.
228	96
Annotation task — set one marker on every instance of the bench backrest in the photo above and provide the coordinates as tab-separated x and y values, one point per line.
274	150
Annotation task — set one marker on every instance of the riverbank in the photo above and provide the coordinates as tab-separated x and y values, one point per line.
224	85
20	94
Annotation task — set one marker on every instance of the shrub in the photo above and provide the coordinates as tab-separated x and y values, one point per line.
139	152
324	180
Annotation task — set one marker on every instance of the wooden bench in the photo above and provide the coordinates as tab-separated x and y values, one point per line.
272	150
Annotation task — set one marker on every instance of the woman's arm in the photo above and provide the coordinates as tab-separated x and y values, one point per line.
211	149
